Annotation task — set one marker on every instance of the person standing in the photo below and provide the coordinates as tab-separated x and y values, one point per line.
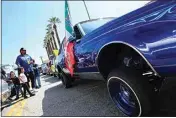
23	81
37	75
25	61
16	83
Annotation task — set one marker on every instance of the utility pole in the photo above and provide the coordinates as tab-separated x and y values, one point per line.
86	9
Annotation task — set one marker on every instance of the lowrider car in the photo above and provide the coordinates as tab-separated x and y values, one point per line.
134	53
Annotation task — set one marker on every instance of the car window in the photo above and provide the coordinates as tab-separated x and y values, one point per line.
92	25
78	34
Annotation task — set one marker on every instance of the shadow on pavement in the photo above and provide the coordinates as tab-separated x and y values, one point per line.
87	98
43	76
50	79
90	98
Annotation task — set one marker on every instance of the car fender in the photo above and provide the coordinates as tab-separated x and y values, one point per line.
155	45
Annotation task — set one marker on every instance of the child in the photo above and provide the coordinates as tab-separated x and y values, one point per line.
37	75
23	81
16	83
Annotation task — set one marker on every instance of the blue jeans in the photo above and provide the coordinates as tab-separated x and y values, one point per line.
18	88
37	81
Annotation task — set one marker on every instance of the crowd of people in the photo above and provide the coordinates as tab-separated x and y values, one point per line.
28	72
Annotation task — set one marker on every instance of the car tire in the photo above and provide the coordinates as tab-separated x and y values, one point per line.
130	91
66	81
59	75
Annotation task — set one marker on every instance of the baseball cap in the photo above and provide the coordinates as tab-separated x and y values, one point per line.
22	49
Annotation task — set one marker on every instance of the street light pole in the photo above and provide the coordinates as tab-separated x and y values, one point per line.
86	9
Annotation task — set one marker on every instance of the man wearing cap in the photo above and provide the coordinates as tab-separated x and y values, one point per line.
25	61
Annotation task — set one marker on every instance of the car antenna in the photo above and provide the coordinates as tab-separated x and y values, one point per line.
86	9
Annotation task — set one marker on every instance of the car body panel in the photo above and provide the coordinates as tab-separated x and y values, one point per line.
5	92
7	69
150	30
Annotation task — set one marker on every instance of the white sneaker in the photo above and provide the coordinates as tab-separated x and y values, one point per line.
34	90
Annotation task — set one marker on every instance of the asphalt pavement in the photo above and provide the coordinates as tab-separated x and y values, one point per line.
85	98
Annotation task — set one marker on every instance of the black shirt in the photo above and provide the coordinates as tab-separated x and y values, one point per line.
15	81
36	71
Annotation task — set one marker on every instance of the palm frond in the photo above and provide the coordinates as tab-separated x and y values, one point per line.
49	25
54	20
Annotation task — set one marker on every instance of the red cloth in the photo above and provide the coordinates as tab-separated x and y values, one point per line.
70	59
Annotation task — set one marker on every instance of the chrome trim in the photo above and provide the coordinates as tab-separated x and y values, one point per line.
148	73
95	19
131	90
120	42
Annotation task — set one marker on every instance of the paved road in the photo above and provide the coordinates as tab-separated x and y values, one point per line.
86	98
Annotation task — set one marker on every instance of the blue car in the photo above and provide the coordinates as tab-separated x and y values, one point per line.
134	53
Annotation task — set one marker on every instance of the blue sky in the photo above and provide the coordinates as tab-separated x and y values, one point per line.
24	22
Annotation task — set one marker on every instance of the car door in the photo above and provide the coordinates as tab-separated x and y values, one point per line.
83	54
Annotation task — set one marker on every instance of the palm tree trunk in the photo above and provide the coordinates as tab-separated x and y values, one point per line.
48	48
47	51
52	46
49	45
54	40
55	29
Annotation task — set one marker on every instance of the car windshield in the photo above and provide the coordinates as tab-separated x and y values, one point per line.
92	25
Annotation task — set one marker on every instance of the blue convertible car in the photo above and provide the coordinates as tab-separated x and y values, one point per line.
133	53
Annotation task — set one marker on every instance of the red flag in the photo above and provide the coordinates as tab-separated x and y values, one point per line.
70	60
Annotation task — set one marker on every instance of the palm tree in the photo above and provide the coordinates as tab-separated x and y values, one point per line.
48	43
46	46
50	32
54	21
